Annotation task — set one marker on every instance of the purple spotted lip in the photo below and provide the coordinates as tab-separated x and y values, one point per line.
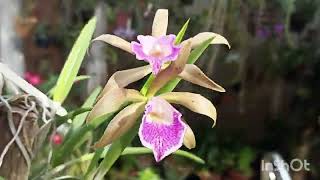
161	129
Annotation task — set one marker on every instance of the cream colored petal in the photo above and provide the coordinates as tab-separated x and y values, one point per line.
160	23
189	139
123	78
120	124
201	37
172	71
192	101
113	101
193	74
115	41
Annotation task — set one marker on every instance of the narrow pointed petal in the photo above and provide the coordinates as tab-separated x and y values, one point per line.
162	128
115	41
201	37
189	139
172	71
192	101
121	79
120	124
113	101
160	23
193	74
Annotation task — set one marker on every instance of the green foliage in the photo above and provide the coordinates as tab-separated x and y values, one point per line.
73	63
181	33
148	174
143	150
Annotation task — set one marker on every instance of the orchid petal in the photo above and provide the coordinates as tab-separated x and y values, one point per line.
156	51
115	41
193	74
172	70
160	23
121	79
162	128
113	101
192	101
201	37
120	124
189	139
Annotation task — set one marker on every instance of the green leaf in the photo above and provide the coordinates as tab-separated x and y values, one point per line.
114	152
182	32
78	78
79	120
73	63
148	174
94	163
143	150
194	56
76	138
71	115
101	152
147	84
197	52
81	78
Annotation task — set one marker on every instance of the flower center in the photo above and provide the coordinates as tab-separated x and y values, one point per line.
156	50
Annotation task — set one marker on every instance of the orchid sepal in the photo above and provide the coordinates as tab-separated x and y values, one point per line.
193	74
192	101
113	101
189	139
121	79
203	36
121	123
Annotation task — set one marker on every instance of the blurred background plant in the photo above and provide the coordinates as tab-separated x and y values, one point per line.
271	76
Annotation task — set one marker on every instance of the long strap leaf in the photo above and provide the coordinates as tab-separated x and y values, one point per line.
73	63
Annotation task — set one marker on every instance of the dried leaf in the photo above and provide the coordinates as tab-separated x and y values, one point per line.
121	79
192	101
113	101
115	41
120	124
201	37
193	74
160	23
189	139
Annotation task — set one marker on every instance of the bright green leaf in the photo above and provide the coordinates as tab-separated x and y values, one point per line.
143	150
182	32
74	61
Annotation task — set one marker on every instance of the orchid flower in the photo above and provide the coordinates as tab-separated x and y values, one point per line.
158	48
162	127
